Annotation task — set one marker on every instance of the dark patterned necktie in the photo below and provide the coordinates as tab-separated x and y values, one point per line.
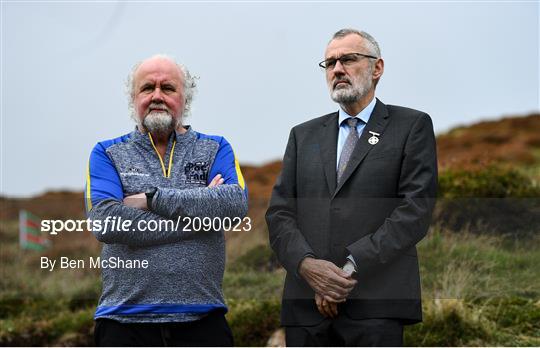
348	147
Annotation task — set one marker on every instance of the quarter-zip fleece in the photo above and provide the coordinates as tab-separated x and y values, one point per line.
185	268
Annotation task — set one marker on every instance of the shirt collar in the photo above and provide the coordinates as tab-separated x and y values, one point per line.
363	115
179	137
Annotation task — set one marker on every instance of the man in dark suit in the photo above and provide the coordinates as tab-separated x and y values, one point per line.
354	198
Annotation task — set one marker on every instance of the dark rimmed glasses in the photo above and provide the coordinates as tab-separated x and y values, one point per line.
345	60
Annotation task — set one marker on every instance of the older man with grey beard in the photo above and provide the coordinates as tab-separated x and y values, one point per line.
354	197
158	175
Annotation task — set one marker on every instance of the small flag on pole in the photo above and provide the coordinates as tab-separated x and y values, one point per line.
29	233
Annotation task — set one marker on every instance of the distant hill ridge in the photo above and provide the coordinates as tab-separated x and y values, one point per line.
511	141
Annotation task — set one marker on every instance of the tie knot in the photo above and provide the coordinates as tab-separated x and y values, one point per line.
352	122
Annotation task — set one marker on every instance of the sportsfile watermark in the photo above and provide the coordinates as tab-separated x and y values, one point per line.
117	223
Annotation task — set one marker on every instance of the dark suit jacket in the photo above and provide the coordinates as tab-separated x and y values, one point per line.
377	214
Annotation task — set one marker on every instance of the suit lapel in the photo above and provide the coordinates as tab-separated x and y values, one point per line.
377	123
328	147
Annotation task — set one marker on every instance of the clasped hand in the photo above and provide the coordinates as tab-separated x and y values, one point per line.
331	284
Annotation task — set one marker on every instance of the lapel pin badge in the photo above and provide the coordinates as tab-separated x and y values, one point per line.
374	138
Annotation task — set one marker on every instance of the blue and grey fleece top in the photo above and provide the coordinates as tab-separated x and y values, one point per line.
185	269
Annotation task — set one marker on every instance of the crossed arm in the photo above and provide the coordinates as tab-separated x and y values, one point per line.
105	199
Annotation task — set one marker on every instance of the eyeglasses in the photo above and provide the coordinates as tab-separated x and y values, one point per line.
345	60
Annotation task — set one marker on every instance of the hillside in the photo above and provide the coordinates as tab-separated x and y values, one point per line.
512	142
479	289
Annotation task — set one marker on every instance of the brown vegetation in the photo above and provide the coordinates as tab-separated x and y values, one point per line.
487	294
513	141
509	141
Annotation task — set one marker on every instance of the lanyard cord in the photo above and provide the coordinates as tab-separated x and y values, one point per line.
166	173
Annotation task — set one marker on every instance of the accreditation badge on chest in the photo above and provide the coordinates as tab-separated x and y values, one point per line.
374	139
196	173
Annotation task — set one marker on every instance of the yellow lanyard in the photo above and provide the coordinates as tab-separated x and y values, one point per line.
166	173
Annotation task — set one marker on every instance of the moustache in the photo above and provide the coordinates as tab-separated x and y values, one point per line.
157	107
347	81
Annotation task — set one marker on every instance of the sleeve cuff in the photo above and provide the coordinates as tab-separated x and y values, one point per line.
351	258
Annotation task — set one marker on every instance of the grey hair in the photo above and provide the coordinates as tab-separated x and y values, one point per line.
372	44
190	85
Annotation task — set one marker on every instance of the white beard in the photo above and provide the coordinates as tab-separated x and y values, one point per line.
358	89
159	122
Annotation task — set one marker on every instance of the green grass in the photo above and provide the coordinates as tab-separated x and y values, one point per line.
463	265
253	285
253	321
477	290
533	170
510	321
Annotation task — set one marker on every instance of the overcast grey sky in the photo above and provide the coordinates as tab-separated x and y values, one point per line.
64	65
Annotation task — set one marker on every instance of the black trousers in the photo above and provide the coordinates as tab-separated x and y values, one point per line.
210	331
346	332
